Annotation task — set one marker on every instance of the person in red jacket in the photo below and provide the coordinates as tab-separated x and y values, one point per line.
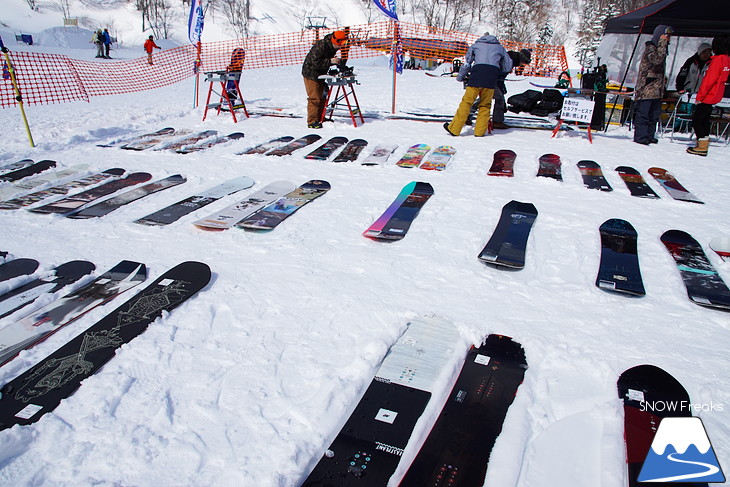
149	44
711	91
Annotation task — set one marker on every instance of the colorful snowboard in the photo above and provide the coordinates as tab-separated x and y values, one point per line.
669	183
635	183
704	285
28	331
351	151
272	215
323	152
294	145
550	167
394	223
508	242
439	159
619	268
229	216
503	163
368	448
379	155
267	146
178	210
40	389
458	447
413	156
592	175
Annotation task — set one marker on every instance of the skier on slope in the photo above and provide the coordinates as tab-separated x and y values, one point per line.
149	45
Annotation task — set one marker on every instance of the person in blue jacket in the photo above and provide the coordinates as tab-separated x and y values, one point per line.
107	43
484	61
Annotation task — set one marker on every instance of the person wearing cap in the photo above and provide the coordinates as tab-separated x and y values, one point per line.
519	59
321	56
149	44
650	86
691	73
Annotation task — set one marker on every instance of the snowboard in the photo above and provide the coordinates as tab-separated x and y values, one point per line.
550	167
508	242
351	151
619	268
41	323
704	285
187	149
187	140
294	145
439	159
14	166
637	387
457	450
17	267
24	295
137	138
229	216
61	189
721	246
635	183
672	186
178	210
592	175
267	146
149	142
368	448
268	217
503	163
323	152
45	178
413	156
31	170
107	206
76	201
40	389
394	223
379	155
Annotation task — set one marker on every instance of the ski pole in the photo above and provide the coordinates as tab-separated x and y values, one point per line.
16	89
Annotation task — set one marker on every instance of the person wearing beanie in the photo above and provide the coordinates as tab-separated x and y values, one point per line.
691	73
650	86
317	62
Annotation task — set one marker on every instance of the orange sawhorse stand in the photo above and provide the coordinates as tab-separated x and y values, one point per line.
560	122
223	77
345	90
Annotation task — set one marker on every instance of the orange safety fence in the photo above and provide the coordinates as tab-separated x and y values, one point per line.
51	78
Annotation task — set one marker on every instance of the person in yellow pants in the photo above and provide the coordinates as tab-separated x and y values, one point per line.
484	61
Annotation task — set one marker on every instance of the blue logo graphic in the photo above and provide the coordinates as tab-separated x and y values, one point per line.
681	452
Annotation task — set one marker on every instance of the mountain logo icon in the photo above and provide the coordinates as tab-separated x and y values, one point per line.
681	452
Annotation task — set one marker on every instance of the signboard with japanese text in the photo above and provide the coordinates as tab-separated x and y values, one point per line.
577	110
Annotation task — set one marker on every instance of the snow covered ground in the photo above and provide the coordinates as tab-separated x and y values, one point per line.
248	383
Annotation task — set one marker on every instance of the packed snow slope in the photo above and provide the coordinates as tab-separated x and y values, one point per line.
248	383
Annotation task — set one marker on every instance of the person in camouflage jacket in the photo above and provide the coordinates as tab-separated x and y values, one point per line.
318	61
650	86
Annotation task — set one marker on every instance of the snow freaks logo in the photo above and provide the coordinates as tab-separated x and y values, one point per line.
681	452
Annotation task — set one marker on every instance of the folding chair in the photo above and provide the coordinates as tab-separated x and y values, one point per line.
680	120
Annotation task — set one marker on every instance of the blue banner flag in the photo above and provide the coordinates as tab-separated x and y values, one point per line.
388	8
195	22
1	43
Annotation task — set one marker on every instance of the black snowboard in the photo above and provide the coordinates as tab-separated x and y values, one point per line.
351	151
457	450
267	146
592	176
619	268
76	201
64	275
508	243
550	167
637	387
40	389
31	170
704	285
636	184
107	206
17	267
294	145
323	152
14	166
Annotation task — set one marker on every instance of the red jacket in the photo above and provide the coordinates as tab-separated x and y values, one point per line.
149	44
713	85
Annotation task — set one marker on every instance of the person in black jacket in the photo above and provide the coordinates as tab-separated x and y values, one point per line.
691	73
519	59
318	61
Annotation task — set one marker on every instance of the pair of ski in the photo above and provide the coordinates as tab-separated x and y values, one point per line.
184	141
369	447
415	156
41	388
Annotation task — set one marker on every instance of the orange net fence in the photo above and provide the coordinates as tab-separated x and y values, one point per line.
50	78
